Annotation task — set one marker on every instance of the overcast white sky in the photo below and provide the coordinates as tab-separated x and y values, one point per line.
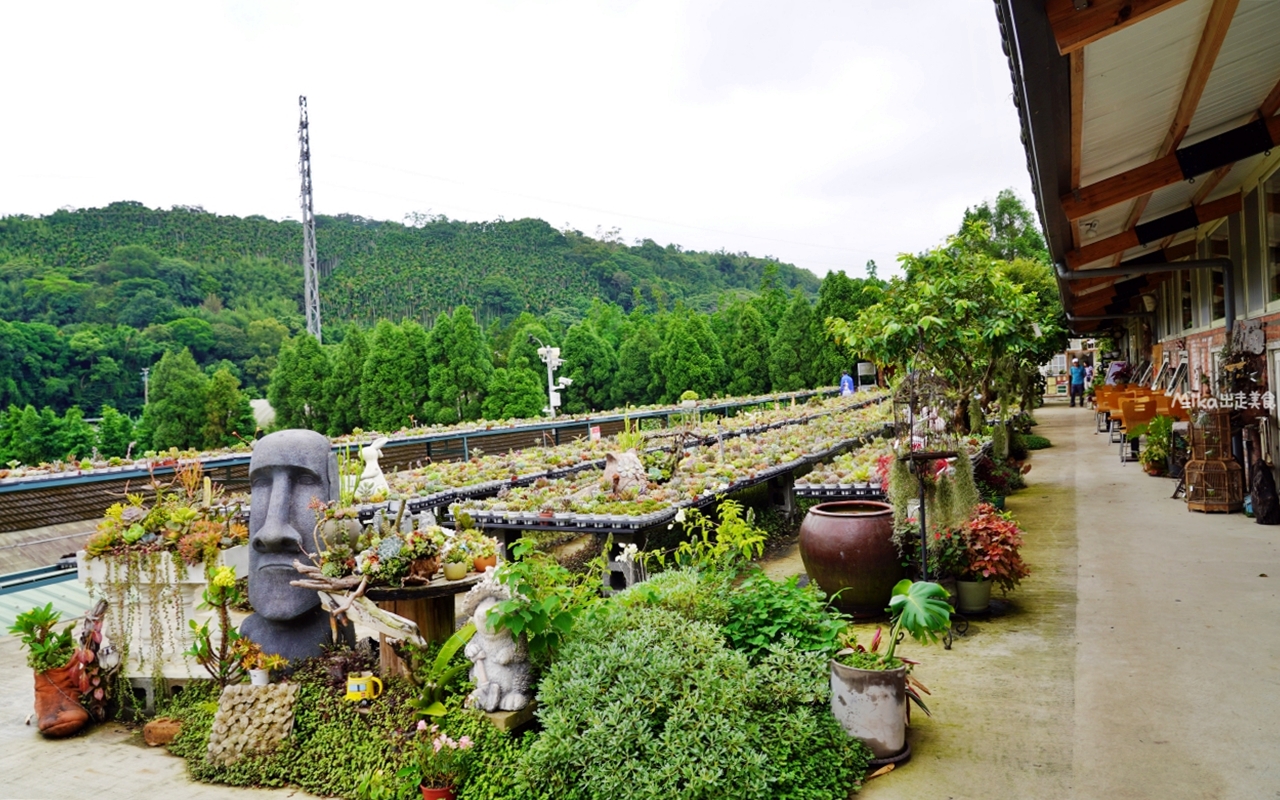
822	133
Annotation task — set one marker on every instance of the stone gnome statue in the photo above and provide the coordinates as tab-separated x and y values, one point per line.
500	662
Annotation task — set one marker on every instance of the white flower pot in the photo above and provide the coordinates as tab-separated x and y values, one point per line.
260	677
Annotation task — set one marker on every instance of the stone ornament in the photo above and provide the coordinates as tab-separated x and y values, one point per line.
499	662
372	481
288	472
251	719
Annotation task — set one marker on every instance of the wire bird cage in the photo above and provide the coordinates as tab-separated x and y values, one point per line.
1211	436
1215	482
1214	486
923	411
923	407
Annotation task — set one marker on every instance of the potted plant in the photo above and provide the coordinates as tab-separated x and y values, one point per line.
258	664
1159	432
442	761
869	688
457	562
992	539
49	652
483	549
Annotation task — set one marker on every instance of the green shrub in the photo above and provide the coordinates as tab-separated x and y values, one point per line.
762	611
693	595
645	703
1035	442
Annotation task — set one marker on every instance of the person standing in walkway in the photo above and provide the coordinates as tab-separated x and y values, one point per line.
846	384
1077	382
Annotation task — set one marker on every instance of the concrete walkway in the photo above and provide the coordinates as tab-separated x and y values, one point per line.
1140	660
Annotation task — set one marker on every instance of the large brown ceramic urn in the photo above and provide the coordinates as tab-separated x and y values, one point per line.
848	550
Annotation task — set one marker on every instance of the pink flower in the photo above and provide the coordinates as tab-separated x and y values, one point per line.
422	725
465	742
436	744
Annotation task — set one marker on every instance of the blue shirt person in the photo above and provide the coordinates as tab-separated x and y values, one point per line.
1077	382
846	384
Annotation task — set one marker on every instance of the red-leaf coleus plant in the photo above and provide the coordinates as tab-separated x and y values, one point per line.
993	539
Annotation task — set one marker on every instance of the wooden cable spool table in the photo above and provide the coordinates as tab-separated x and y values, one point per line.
430	606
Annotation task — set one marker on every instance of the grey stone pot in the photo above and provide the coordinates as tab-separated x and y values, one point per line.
871	706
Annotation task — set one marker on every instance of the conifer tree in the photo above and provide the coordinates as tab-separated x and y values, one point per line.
442	405
749	356
636	382
685	365
27	446
706	339
791	351
514	393
227	412
469	363
385	386
590	362
77	437
285	401
114	433
311	371
342	388
836	298
419	366
176	413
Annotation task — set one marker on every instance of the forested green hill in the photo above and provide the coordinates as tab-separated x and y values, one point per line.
376	270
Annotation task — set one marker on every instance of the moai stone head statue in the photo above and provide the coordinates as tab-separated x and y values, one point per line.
288	471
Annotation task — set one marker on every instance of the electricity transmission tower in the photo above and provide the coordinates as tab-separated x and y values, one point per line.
311	277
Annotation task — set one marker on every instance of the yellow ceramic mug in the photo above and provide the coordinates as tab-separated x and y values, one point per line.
363	687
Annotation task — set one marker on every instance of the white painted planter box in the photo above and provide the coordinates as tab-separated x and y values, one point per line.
179	596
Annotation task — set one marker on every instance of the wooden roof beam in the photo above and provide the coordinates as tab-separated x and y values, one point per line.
1154	230
1197	159
1073	29
1215	32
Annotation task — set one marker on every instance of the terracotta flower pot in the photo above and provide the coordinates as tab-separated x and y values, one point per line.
481	564
847	549
441	793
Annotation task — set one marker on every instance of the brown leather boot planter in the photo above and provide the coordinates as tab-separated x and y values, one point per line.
58	706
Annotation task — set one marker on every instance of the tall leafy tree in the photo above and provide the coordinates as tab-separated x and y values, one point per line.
1014	232
590	363
792	350
386	386
342	387
840	297
749	355
176	414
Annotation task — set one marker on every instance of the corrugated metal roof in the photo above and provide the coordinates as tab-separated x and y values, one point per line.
66	593
1133	81
1245	72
